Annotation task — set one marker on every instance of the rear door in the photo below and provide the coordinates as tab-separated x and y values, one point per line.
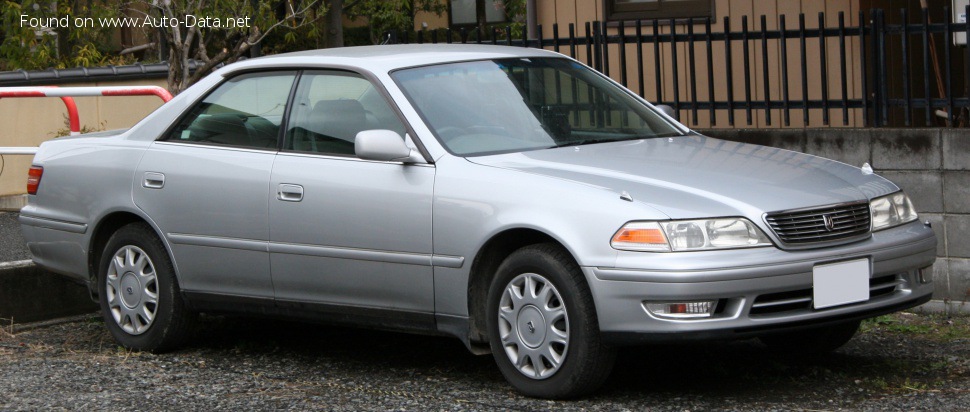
205	184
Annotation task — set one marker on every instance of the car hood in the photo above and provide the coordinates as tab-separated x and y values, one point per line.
698	176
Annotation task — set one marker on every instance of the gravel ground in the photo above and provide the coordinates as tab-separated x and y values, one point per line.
898	362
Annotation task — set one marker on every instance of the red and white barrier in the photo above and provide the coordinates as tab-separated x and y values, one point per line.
49	91
66	94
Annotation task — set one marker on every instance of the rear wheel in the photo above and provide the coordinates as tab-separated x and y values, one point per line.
542	325
140	298
812	341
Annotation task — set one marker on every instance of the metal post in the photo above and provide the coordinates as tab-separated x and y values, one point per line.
883	77
907	97
785	102
824	68
710	72
947	63
766	85
674	69
747	70
842	71
863	68
729	69
966	64
804	64
531	18
877	52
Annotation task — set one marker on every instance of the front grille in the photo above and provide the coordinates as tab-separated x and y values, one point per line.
801	300
809	226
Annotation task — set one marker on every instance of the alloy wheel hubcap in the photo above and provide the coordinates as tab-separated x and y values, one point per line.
533	325
132	290
129	290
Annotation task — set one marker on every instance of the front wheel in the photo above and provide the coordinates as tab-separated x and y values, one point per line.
542	324
140	299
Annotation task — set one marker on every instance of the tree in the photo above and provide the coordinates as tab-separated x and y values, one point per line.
381	15
182	31
41	46
212	44
304	21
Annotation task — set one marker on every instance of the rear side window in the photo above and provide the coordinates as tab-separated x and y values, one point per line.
331	107
245	111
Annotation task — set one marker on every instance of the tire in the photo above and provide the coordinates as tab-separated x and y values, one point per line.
814	341
546	343
140	298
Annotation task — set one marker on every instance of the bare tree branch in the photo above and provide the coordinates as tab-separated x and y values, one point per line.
194	42
293	14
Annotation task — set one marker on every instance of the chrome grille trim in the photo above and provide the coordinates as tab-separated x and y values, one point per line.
800	300
850	221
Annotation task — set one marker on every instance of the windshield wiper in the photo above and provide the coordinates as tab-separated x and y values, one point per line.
587	141
606	140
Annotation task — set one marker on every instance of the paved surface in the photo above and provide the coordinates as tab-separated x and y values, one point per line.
12	245
903	362
900	362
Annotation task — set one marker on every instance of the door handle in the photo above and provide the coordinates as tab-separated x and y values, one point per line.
289	192
153	180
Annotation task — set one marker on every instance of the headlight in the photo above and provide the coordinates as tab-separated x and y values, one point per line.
892	210
688	235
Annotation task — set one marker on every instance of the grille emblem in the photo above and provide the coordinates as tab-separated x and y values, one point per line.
829	222
823	224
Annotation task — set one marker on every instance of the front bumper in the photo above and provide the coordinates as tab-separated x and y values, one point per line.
759	291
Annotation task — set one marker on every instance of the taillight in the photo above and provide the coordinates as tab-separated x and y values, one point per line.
33	179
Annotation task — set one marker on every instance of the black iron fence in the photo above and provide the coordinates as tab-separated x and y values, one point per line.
872	73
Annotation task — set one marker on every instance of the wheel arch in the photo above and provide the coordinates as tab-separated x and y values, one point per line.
107	226
492	253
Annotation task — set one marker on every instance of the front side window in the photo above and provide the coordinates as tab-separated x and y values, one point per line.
331	107
509	105
245	111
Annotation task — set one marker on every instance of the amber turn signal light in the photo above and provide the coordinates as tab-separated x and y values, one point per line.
643	236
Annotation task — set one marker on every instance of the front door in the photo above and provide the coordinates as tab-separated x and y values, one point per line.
344	231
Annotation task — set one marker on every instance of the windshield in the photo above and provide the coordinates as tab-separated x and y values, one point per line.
510	105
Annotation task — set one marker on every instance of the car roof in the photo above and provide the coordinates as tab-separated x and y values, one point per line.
386	58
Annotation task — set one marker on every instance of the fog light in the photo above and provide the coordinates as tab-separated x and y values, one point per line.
926	274
682	310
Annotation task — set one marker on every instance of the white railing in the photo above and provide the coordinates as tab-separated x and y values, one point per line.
18	150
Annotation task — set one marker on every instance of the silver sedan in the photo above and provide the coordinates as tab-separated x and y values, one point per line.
512	198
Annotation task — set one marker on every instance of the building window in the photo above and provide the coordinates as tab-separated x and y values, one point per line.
657	9
471	12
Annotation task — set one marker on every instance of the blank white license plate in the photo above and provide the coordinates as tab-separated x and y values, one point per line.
840	283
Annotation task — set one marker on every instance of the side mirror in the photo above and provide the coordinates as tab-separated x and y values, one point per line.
383	145
667	110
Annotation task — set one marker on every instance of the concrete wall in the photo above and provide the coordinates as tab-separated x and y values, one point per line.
29	294
31	121
931	165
